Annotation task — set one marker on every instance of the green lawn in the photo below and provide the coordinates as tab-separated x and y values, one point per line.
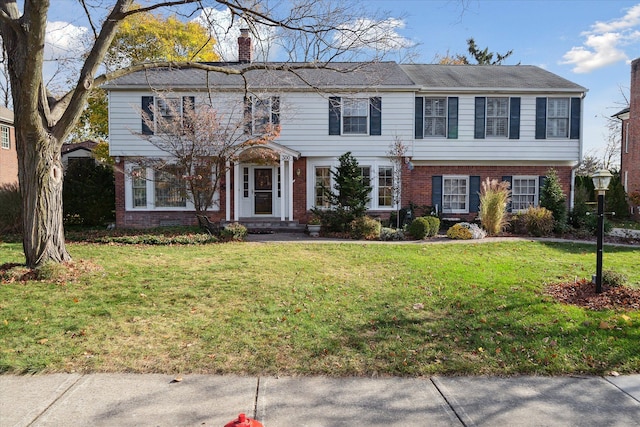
331	309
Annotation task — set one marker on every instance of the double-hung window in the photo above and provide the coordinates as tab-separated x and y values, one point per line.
4	135
557	117
355	116
260	113
455	194
166	115
497	117
435	117
524	192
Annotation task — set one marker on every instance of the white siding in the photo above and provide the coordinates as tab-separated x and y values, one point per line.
304	120
125	120
467	148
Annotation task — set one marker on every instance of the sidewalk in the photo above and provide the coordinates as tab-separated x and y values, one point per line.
200	400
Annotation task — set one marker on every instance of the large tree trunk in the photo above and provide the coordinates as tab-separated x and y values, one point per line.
41	177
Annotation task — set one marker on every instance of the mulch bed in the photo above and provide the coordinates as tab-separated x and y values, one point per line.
583	293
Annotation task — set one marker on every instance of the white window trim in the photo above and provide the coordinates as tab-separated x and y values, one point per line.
373	166
568	118
6	142
424	117
456	211
128	193
536	199
487	118
343	115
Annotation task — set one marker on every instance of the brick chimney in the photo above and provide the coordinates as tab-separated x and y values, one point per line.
245	47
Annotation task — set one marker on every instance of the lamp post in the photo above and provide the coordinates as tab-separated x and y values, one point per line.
601	179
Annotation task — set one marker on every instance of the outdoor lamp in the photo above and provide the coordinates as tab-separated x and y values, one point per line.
601	181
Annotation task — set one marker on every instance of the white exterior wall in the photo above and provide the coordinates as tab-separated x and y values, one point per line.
304	119
305	128
125	120
305	125
526	148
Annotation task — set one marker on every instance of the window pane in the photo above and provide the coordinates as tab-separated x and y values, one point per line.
454	197
523	193
261	115
5	137
435	120
169	189
385	186
323	181
139	186
497	117
355	116
558	118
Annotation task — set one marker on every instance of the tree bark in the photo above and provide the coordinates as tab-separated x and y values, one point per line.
41	177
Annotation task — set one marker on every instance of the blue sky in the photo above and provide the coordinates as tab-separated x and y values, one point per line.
588	42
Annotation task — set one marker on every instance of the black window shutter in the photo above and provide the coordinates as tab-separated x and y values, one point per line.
334	115
419	126
188	107
509	179
452	117
436	192
541	181
474	193
375	115
514	119
575	118
479	126
147	103
248	115
541	118
275	110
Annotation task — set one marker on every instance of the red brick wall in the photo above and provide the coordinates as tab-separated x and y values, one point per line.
9	161
630	161
417	187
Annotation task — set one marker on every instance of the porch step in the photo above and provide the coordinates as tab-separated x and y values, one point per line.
259	226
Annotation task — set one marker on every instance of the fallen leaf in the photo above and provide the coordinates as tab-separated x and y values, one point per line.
604	325
177	380
43	341
418	306
614	374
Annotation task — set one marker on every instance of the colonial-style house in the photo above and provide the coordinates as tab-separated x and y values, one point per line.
630	146
459	123
8	153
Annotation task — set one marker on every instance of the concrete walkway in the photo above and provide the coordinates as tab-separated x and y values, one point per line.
122	400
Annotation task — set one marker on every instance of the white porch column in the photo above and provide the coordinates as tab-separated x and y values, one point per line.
282	192
290	189
236	186
227	192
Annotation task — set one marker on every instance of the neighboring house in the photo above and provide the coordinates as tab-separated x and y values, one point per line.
78	151
460	123
8	153
630	142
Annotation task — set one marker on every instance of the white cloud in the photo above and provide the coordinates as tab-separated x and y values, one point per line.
605	42
380	35
226	30
64	40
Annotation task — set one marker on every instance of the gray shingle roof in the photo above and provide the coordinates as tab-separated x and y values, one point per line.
341	75
358	76
528	77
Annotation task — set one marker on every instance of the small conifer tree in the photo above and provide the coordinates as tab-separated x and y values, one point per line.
552	198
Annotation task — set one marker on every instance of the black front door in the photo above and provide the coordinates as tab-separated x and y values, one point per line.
263	190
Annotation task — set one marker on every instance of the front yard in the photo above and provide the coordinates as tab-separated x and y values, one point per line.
306	309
